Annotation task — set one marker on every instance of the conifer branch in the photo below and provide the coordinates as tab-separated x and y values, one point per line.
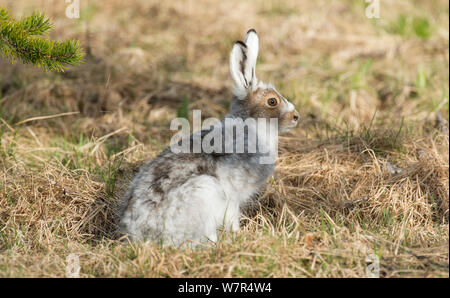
23	40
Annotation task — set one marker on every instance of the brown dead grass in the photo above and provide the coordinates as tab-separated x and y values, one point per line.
365	173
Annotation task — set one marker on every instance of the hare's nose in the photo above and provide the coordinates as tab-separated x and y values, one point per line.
295	116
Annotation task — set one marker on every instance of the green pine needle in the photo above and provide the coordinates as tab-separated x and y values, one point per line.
4	15
36	24
22	40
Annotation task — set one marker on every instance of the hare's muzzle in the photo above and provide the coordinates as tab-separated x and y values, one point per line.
295	117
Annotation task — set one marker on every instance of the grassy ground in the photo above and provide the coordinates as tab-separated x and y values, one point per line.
366	171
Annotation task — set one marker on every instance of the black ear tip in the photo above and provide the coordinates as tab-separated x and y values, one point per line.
251	30
241	43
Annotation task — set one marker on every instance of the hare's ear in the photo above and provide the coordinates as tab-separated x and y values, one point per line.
242	63
252	42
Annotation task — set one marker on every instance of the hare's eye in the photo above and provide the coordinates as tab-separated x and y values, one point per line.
272	102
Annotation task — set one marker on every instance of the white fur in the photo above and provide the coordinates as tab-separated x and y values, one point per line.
191	211
252	42
287	107
248	55
239	84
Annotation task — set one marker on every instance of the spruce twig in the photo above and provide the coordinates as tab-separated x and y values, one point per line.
23	40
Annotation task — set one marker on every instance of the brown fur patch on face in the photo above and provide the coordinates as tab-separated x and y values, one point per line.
256	104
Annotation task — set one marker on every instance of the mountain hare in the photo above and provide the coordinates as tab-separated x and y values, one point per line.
186	196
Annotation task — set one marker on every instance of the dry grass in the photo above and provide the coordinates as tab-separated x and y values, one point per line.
366	172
